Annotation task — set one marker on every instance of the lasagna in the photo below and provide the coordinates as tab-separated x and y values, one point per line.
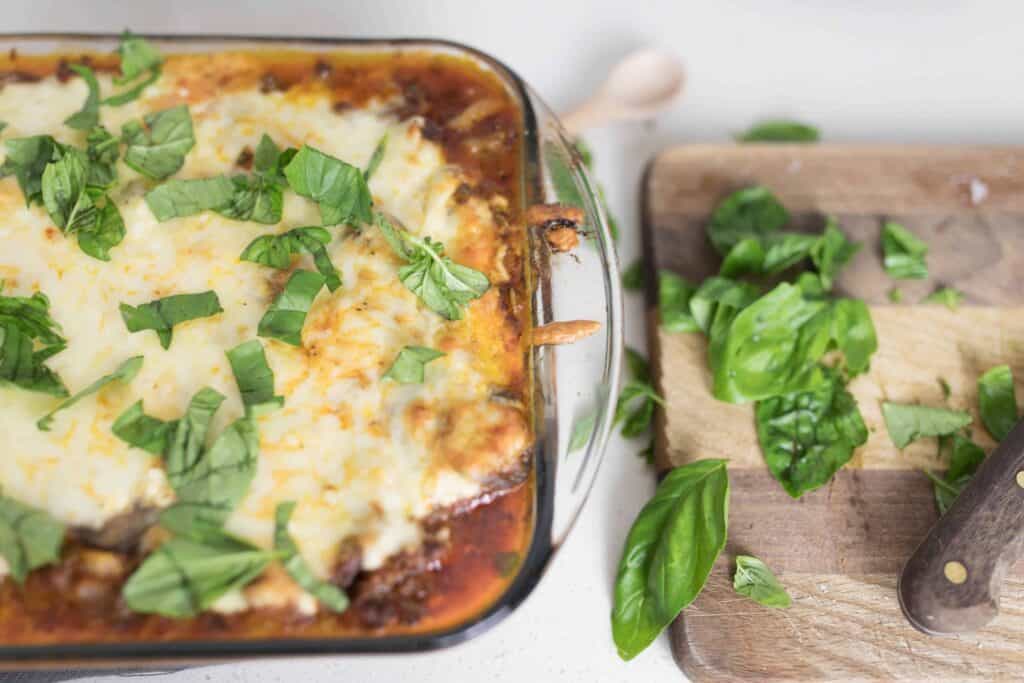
263	344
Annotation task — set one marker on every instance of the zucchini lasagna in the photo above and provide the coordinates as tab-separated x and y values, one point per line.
263	344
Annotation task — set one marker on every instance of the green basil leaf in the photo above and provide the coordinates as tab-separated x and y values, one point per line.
255	198
157	150
276	251
946	296
997	401
102	151
638	366
964	461
633	276
31	315
178	197
29	537
908	422
186	446
137	56
895	295
133	93
831	252
26	159
635	407
328	594
853	332
254	377
755	580
105	233
648	453
746	256
752	212
780	131
376	158
64	182
903	253
674	295
267	158
124	373
163	314
89	115
339	188
717	301
408	367
807	436
669	553
581	431
183	577
139	430
24	322
286	316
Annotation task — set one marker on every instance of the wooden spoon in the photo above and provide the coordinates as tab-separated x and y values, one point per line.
642	85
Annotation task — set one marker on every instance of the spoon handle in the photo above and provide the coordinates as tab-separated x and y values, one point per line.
591	114
951	583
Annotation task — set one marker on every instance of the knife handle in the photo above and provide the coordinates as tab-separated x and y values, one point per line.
951	583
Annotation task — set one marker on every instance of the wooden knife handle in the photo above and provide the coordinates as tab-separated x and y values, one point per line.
951	583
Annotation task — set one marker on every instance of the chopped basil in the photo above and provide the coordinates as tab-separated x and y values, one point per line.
124	373
137	429
182	577
674	295
339	188
908	422
29	537
376	157
755	580
26	159
267	158
158	148
89	115
254	377
997	402
138	57
70	206
964	461
276	251
780	131
440	283
831	252
106	233
163	314
102	150
133	93
24	323
635	407
669	553
327	593
286	316
255	198
178	197
946	296
751	212
716	302
408	367
904	254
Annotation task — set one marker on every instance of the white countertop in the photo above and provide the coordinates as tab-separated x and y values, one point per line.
940	71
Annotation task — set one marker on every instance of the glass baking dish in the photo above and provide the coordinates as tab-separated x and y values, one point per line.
574	385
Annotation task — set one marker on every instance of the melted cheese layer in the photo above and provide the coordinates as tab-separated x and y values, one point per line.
363	457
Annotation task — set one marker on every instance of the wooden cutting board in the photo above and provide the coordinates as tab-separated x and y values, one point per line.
839	549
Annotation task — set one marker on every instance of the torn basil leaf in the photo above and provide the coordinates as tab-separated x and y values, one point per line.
947	296
339	188
138	58
780	131
831	252
965	458
674	294
669	553
64	193
853	333
907	422
254	377
102	151
28	336
26	159
410	364
903	253
157	148
163	314
254	198
327	593
376	157
276	251
997	402
807	436
286	316
133	93
139	430
635	407
106	233
29	537
89	115
123	373
752	212
178	197
755	580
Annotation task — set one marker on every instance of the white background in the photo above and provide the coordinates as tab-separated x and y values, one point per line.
926	71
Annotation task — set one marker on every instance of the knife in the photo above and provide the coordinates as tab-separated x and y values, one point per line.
951	583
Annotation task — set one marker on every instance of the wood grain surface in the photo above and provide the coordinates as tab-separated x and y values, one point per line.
839	549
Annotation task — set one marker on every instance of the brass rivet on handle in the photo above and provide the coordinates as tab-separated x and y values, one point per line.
955	572
1020	479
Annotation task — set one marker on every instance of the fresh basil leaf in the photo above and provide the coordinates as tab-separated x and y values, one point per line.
89	115
638	366
635	407
755	580
133	93
746	256
254	377
997	401
276	251
64	194
255	198
582	429
182	577
717	301
103	234
408	367
24	322
177	197
31	315
648	453
674	295
102	151
633	276
376	158
26	159
780	131
286	316
831	252
752	212
266	159
327	593
139	430
895	295
186	446
163	314
29	537
964	461
137	56
157	149
124	373
339	188
807	436
904	254
669	553
853	333
946	296
908	422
